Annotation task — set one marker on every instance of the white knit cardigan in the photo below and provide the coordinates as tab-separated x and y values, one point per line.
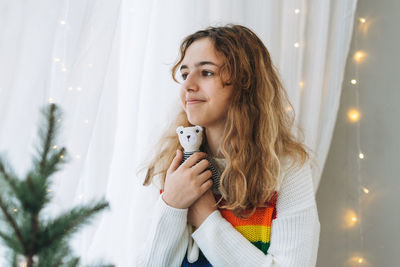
294	232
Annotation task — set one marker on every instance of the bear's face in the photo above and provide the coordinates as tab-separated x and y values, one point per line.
190	137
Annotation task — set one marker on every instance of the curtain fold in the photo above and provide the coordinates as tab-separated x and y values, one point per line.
107	64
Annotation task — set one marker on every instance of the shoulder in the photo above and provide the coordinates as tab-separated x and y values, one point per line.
295	188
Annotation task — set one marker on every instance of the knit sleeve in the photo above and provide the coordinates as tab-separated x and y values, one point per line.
167	239
294	231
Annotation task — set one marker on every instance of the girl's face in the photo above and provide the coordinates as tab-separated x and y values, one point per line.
202	94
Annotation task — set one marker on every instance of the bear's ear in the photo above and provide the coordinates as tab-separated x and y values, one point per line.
199	128
179	129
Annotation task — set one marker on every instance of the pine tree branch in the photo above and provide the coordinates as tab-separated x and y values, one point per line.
12	223
11	242
50	134
32	248
7	177
66	224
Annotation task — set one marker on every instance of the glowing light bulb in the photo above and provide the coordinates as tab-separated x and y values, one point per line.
15	210
70	88
51	100
64	69
296	44
86	121
90	65
361	155
301	84
360	260
362	20
48	190
63	22
78	156
353	219
62	156
54	147
297	11
353	115
353	81
80	196
78	88
366	191
56	59
59	120
359	56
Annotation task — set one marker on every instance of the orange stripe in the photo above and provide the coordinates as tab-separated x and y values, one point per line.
262	216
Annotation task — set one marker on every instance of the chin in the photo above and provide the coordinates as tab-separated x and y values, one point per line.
195	121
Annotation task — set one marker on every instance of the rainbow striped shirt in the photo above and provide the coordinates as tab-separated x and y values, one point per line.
256	228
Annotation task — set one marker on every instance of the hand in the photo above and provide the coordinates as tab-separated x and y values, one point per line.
185	183
201	209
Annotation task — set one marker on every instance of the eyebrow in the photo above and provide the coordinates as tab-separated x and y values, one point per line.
201	63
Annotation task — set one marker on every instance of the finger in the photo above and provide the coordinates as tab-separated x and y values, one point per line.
205	176
175	162
201	166
205	186
193	159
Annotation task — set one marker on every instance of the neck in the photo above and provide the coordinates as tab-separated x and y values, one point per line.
214	140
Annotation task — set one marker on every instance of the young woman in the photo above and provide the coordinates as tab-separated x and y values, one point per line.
265	213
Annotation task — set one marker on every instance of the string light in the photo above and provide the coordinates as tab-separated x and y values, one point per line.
15	210
78	89
70	88
297	11
86	121
90	65
78	156
56	59
61	156
63	22
51	100
353	115
359	56
54	147
296	44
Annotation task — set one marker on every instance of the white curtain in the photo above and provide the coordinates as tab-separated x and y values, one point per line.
107	64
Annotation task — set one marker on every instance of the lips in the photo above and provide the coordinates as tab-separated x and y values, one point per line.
194	101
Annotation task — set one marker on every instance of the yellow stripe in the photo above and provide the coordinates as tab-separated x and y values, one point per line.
255	233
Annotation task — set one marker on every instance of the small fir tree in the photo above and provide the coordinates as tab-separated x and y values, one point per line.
40	242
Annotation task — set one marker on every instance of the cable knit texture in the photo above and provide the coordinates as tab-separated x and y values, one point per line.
293	234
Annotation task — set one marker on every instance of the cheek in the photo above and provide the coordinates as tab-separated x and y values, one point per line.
182	98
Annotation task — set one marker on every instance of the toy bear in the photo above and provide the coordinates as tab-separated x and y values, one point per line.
191	138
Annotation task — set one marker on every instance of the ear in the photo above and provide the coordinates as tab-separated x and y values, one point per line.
199	128
179	129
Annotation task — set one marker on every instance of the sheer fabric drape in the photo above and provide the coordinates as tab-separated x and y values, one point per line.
107	64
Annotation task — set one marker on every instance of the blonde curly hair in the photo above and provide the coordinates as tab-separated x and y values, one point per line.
257	133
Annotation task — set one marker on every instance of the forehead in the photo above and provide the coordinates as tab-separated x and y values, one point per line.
201	50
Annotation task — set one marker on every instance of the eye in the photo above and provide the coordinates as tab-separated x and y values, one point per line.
206	72
184	75
181	132
197	130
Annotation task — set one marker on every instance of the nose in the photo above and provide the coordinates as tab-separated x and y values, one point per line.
188	137
190	83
